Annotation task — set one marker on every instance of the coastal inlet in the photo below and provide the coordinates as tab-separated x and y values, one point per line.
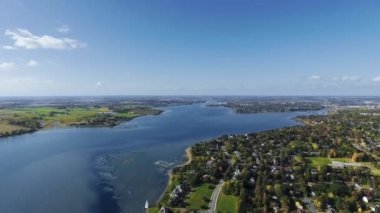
112	169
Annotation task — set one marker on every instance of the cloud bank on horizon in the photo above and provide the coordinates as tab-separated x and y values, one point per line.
190	48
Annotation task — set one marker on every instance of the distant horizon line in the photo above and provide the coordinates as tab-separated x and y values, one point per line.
198	95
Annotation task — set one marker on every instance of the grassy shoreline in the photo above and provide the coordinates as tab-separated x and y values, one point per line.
17	121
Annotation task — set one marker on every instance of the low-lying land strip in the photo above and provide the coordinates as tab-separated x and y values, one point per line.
320	166
15	121
270	106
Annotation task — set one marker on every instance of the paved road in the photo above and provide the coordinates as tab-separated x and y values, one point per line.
214	197
365	151
309	204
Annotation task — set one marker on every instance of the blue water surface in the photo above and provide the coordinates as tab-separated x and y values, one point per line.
112	169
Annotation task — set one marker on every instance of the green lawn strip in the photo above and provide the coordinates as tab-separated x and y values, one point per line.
153	210
319	161
343	160
196	200
322	161
227	203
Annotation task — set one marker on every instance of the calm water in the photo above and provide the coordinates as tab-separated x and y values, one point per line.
111	169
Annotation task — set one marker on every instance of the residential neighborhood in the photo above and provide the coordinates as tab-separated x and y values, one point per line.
329	164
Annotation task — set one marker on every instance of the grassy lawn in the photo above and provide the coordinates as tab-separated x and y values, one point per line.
227	203
153	210
196	200
343	160
320	161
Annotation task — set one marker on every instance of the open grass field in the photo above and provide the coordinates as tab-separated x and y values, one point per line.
318	162
153	210
63	115
5	127
44	117
50	115
343	160
200	196
227	203
322	161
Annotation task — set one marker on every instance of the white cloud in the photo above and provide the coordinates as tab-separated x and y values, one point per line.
25	39
347	78
314	78
99	83
32	63
8	47
64	29
376	79
7	65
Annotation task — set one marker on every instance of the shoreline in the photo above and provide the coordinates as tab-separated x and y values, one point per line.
62	125
189	158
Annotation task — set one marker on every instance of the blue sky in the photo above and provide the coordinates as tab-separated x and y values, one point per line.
198	47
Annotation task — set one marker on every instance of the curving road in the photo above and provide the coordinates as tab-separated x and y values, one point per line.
214	197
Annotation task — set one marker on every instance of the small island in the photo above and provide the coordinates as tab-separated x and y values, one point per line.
328	164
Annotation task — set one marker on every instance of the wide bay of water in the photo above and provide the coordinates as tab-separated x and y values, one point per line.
112	169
